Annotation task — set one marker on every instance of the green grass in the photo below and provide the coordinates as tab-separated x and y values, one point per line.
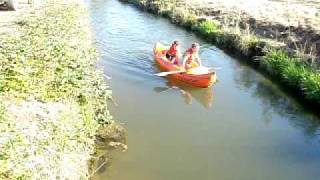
211	31
247	43
190	22
293	73
290	70
311	87
209	28
275	62
50	63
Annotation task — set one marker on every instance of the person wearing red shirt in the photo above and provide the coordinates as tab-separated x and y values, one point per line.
173	53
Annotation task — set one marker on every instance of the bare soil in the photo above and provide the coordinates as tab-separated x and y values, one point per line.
294	22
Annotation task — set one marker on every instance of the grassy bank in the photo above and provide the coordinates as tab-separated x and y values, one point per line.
52	98
292	70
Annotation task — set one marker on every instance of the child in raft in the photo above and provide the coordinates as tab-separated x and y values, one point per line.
173	54
191	58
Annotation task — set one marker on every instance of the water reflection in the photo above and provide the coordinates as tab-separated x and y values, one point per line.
248	124
274	101
203	96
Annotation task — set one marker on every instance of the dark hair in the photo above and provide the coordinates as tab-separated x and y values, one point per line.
176	42
194	45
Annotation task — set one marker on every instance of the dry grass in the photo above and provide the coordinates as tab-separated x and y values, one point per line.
286	12
52	97
46	140
237	25
294	23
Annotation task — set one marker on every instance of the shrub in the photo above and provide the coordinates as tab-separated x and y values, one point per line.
275	61
294	74
190	22
311	87
208	28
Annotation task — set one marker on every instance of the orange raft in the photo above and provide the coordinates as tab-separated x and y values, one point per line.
196	80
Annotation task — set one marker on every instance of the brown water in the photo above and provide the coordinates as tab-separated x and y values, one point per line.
243	128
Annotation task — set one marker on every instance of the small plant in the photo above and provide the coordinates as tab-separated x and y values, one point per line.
311	87
191	21
294	73
247	41
179	15
275	61
208	28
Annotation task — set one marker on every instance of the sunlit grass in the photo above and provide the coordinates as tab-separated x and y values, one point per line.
52	97
209	28
294	73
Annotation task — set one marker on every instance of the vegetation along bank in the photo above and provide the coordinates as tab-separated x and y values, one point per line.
276	37
53	100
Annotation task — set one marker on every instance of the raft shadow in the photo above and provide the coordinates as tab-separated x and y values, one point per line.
203	96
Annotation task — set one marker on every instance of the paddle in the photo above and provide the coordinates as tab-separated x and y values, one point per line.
209	69
161	74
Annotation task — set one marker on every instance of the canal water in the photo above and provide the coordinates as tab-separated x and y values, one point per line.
242	128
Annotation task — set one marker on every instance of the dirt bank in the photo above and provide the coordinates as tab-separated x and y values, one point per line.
276	40
295	23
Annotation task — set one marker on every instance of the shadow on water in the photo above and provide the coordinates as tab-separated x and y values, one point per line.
275	101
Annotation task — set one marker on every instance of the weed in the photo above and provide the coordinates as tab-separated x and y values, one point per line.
53	98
